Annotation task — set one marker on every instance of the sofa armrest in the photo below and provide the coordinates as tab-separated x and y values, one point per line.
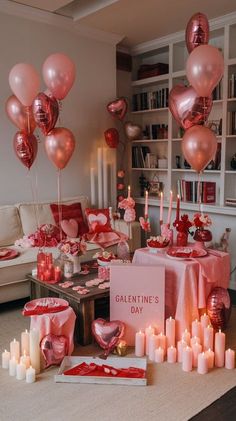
132	230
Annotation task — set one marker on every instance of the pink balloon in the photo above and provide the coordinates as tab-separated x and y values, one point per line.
118	108
46	112
197	31
219	307
26	147
204	69
60	145
24	82
20	115
107	334
199	146
59	74
187	107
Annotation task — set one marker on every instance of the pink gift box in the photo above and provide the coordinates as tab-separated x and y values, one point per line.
104	273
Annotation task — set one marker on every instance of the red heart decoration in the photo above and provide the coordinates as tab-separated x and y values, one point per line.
54	348
70	228
46	111
112	137
118	108
107	334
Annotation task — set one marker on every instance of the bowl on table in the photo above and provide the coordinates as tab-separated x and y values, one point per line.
157	244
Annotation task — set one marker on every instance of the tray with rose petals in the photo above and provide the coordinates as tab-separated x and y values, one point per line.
122	371
183	253
44	305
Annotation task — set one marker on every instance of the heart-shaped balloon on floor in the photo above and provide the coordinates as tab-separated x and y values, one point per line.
20	115
112	137
219	307
118	108
54	348
107	334
187	107
46	111
60	145
133	131
26	147
70	228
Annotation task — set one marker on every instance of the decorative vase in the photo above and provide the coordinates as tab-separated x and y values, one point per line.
182	239
200	236
76	263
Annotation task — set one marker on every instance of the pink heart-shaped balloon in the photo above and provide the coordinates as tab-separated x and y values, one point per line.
133	131
107	334
54	348
118	108
70	227
187	107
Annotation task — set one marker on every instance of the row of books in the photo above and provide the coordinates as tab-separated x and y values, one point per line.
230	201
232	86
231	122
217	92
156	131
150	100
139	154
189	191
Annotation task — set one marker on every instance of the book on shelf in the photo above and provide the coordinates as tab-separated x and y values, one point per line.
231	122
190	191
230	201
139	156
150	100
217	92
232	86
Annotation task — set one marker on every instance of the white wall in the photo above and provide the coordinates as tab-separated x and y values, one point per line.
84	109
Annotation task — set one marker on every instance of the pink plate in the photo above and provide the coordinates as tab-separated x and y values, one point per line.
7	254
44	305
183	253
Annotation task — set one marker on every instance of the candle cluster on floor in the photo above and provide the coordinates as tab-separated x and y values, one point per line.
46	271
23	359
201	349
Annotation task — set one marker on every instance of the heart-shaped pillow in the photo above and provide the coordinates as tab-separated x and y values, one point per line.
107	334
99	219
70	227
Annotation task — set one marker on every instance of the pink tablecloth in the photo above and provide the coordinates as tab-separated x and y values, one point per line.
188	282
61	323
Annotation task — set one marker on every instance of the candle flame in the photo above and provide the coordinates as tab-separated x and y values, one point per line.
24	353
14	340
5	350
26	330
219	330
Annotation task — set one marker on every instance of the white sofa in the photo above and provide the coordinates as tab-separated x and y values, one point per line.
19	220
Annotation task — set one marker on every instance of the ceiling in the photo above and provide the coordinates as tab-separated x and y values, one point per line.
136	20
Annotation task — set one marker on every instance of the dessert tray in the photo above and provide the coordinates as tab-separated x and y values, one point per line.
183	253
44	305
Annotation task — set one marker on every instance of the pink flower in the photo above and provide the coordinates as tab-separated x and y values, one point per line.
73	247
128	203
145	224
129	215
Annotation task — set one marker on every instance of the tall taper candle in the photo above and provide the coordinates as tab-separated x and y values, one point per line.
161	208
92	184
105	178
146	205
177	207
170	208
129	191
100	183
35	350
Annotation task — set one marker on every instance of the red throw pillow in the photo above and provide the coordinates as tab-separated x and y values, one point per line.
68	212
98	220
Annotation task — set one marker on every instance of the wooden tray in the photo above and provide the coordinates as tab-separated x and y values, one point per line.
121	362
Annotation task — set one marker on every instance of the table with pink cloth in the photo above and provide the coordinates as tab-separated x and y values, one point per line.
61	323
188	282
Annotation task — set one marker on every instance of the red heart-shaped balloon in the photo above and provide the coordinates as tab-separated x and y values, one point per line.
26	147
112	137
118	108
54	348
107	334
46	111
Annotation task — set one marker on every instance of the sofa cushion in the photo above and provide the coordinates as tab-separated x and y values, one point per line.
10	225
73	211
98	220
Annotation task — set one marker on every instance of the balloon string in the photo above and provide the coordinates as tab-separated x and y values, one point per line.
199	191
28	119
59	201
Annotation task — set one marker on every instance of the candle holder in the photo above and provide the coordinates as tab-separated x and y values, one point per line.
167	232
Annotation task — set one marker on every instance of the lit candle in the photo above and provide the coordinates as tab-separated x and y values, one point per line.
25	359
129	192
152	346
20	371
196	328
105	178
30	375
146	205
197	349
186	336
25	342
170	332
229	359
159	355
170	208
187	363
148	332
180	346
205	321
161	208
210	358
35	350
202	363
162	341
12	366
194	340
139	344
171	354
15	349
219	349
92	185
5	359
57	273
208	336
100	190
177	207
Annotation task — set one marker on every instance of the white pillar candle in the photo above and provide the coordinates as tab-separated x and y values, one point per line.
25	359
197	349
15	349
162	342
100	182
25	342
35	350
180	345
12	366
5	359
208	338
210	358
196	328
20	371
105	178
202	363
170	208
170	332
148	331
194	340
219	349
171	354
159	355
139	344
187	363
229	359
152	346
92	186
30	375
205	321
186	336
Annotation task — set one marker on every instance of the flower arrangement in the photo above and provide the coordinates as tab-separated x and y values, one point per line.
74	247
201	221
105	256
128	205
183	224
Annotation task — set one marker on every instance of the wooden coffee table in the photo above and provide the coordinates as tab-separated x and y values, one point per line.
83	305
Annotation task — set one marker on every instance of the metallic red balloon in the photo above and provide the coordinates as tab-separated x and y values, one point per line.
118	108
107	334
60	145
133	131
54	348
219	307
197	31
20	115
112	137
46	111
187	107
26	147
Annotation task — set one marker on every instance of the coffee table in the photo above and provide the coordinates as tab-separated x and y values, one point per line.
83	305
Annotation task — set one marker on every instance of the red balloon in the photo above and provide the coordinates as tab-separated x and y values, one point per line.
120	186
120	173
199	146
187	107
112	137
54	348
118	108
46	112
107	334
60	145
219	307
26	147
20	115
197	31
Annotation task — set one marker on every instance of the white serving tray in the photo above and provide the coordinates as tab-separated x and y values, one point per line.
116	362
